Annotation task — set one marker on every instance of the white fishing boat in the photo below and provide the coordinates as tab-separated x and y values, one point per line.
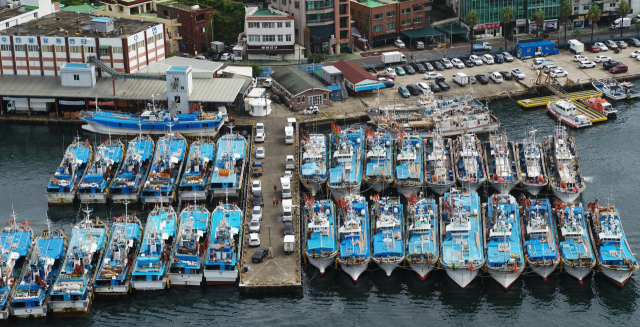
469	161
531	159
438	157
566	182
500	160
568	113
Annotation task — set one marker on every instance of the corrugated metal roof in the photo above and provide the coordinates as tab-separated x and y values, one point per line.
296	81
160	67
352	72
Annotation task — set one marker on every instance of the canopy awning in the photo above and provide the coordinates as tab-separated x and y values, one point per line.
421	32
452	29
388	36
370	87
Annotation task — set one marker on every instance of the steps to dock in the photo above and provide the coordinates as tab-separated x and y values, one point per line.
542	101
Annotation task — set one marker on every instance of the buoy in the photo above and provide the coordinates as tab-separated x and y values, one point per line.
435	178
470	179
501	180
562	184
575	189
495	176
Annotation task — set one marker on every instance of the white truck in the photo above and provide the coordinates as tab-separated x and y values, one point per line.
289	163
288	135
576	46
626	22
484	45
287	210
461	78
393	57
289	243
286	187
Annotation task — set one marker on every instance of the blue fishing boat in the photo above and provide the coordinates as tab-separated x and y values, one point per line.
225	249
194	185
228	170
505	257
532	160
409	173
379	161
165	171
320	232
114	275
31	297
156	251
469	162
540	237
423	239
15	249
64	184
500	160
345	174
615	259
314	162
94	187
193	237
609	89
438	162
387	236
576	248
127	185
463	244
354	235
72	292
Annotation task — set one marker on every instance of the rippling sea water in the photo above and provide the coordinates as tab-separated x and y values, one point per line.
609	156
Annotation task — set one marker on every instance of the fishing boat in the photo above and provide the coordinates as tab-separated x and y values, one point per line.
64	184
314	162
228	170
72	293
165	170
601	105
463	243
469	162
504	254
156	251
127	184
576	248
320	233
225	248
193	237
615	259
566	182
627	89
409	175
541	237
354	254
423	239
345	174
378	160
387	236
31	297
15	250
531	159
438	157
94	187
568	114
114	275
500	160
194	184
609	89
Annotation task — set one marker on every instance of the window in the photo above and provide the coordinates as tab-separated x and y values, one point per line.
377	28
158	36
417	20
268	38
417	8
287	24
352	11
366	27
284	2
150	39
199	18
32	48
297	4
19	47
140	44
5	47
343	34
325	96
377	16
89	50
200	32
166	12
279	25
61	48
74	49
315	100
268	25
406	22
319	18
317	5
406	11
280	38
366	16
7	24
103	51
254	38
585	7
116	50
391	14
132	47
613	4
298	99
254	25
576	8
303	99
391	25
288	38
359	13
76	77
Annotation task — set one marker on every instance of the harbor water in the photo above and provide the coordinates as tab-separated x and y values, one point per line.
609	158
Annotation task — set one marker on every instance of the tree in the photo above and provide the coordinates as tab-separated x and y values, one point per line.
256	71
471	20
315	58
208	26
594	14
623	10
566	10
507	17
538	18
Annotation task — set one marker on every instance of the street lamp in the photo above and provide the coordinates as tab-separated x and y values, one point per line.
270	251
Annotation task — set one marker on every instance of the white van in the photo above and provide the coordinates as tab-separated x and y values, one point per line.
289	163
289	243
267	82
461	78
287	210
288	135
576	46
286	187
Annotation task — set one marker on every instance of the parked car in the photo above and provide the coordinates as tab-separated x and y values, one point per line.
434	87
260	152
438	65
635	54
610	44
225	57
601	46
621	44
399	43
499	58
507	56
391	72
257	199
580	58
216	56
442	84
388	83
288	228
517	73
468	62
483	79
260	255
288	174
200	58
506	75
387	75
446	63
495	77
254	239
259	137
257	213
409	69
593	48
428	66
558	73
620	68
404	92
609	64
423	87
254	226
487	59
601	58
634	42
475	60
414	90
418	68
587	64
457	63
432	75
400	71
275	98
472	80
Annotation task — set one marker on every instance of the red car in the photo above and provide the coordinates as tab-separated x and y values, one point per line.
620	68
385	75
593	48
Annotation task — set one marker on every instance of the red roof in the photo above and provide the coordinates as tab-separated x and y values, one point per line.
353	72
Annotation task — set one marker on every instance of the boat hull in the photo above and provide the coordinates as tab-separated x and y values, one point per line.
544	270
314	187
504	188
221	277
618	277
157	199
423	270
533	189
185	279
567	121
113	289
578	273
440	189
70	308
150	285
565	197
354	270
505	278
192	195
122	198
462	276
377	187
343	191
97	128
30	312
321	263
98	198
473	186
408	191
479	129
60	198
220	192
388	267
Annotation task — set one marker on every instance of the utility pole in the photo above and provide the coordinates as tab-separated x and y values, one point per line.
270	251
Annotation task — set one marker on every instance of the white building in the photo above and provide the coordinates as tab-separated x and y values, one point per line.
179	88
270	35
18	12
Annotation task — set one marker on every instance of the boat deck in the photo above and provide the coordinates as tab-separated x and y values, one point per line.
541	101
593	115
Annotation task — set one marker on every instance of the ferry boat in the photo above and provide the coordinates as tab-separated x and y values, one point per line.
193	237
162	181
409	176
567	113
321	233
576	248
114	275
469	162
228	169
156	251
500	160
194	185
225	247
379	160
531	159
31	297
615	259
345	174
609	89
354	254
387	236
463	244
505	257
601	105
127	184
72	292
423	239
64	184
566	181
313	165
15	245
541	237
438	156
94	187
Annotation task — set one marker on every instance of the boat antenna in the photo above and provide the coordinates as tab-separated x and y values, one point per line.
13	216
87	212
140	130
126	211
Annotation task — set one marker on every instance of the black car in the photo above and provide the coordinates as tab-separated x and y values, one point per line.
635	42
442	84
468	62
472	80
408	69
288	228
276	98
413	89
483	79
418	67
610	64
216	56
257	200
434	87
438	65
428	66
259	255
506	75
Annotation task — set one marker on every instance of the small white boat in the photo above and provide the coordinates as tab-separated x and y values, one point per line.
567	112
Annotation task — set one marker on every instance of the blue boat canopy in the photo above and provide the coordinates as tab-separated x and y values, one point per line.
370	87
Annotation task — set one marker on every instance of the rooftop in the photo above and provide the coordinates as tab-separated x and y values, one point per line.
10	13
69	65
263	12
375	3
296	81
85	8
353	72
197	66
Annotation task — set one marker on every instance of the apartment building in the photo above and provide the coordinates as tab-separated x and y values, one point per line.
490	18
609	11
383	20
13	13
192	20
270	35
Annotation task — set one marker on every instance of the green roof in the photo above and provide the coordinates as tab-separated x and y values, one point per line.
318	72
296	81
453	29
372	3
263	12
31	7
421	32
86	8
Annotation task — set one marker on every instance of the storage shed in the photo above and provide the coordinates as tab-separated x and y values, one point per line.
528	50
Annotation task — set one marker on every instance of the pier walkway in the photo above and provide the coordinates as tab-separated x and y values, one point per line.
593	115
542	101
